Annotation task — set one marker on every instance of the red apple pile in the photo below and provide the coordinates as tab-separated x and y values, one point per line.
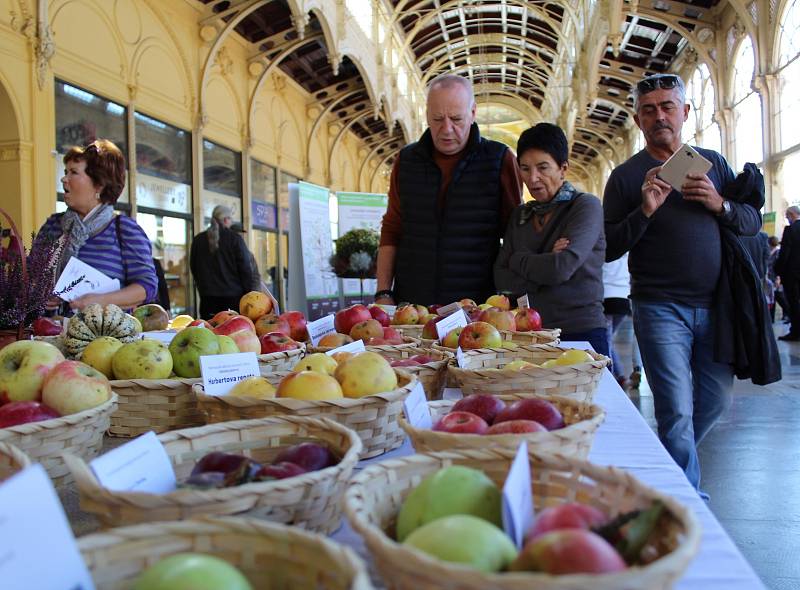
372	325
224	470
412	361
486	414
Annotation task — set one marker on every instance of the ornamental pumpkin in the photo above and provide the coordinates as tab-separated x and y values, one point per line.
93	321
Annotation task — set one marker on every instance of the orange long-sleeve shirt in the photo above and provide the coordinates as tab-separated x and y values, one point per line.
510	193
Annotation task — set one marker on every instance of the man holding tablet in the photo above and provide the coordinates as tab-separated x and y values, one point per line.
672	234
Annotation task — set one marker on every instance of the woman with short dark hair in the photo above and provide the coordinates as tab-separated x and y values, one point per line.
554	246
94	178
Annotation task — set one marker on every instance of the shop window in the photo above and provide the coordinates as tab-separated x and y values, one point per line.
81	118
701	129
222	180
169	237
264	215
747	108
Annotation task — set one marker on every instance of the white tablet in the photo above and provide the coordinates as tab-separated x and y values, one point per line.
683	162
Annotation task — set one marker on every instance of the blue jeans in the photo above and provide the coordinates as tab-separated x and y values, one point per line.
690	390
598	338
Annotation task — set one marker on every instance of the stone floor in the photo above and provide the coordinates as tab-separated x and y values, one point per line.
751	465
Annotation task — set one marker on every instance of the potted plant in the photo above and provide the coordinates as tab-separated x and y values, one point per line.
26	281
356	256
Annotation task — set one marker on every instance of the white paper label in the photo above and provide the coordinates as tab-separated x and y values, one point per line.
517	497
523	302
164	336
141	465
454	320
319	328
390	309
462	362
90	280
416	409
221	372
452	393
354	347
448	309
37	549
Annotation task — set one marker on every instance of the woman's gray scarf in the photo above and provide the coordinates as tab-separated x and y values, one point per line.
567	192
77	231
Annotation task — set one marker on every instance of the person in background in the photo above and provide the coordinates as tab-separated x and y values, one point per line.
780	298
94	177
220	264
675	262
450	196
554	246
788	269
258	283
616	306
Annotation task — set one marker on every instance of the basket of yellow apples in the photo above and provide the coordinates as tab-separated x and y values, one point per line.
233	553
429	518
286	469
361	391
550	424
529	369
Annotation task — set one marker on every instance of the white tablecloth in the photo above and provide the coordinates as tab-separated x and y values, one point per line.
625	440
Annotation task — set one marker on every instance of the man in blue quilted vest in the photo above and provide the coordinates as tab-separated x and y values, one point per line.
450	196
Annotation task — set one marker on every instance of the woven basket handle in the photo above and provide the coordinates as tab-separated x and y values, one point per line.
16	240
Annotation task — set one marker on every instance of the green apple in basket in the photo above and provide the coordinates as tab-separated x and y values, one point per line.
191	571
142	359
188	346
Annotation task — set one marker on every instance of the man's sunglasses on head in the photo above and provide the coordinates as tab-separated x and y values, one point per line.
665	82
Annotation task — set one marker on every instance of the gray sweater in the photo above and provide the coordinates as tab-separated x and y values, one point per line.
565	287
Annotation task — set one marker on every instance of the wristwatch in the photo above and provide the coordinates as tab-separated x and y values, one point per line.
726	208
384	293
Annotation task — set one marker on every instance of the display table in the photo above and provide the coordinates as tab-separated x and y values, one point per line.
625	440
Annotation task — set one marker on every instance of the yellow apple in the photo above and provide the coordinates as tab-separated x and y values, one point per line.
181	321
319	362
309	385
574	356
365	373
72	387
99	352
549	363
500	301
518	364
256	387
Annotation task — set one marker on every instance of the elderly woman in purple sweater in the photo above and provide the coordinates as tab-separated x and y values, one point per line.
94	177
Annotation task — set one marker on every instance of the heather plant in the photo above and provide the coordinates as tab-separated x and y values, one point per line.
356	254
23	300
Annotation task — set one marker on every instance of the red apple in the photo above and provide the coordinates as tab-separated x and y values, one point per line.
349	317
272	323
14	413
461	423
429	329
72	386
468	303
569	551
280	470
201	323
243	333
276	342
422	359
366	330
434	308
410	362
451	338
383	342
406	316
481	404
378	313
502	320
516	427
422	311
534	408
479	335
222	317
46	327
571	515
297	325
310	456
334	340
473	313
528	320
391	334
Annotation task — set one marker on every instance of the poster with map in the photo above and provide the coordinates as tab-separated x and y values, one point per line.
360	210
313	288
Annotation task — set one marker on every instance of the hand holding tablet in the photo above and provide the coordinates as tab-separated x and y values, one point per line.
686	160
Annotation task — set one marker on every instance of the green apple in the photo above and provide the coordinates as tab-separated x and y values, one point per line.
23	367
227	345
466	539
191	571
99	352
453	490
188	346
142	359
152	317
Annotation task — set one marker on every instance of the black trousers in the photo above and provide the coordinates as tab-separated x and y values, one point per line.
791	289
210	305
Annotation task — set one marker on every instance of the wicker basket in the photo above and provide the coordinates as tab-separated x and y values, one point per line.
159	405
375	495
374	417
311	500
280	361
410	330
574	440
271	556
431	375
12	460
484	372
44	442
408	342
533	337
